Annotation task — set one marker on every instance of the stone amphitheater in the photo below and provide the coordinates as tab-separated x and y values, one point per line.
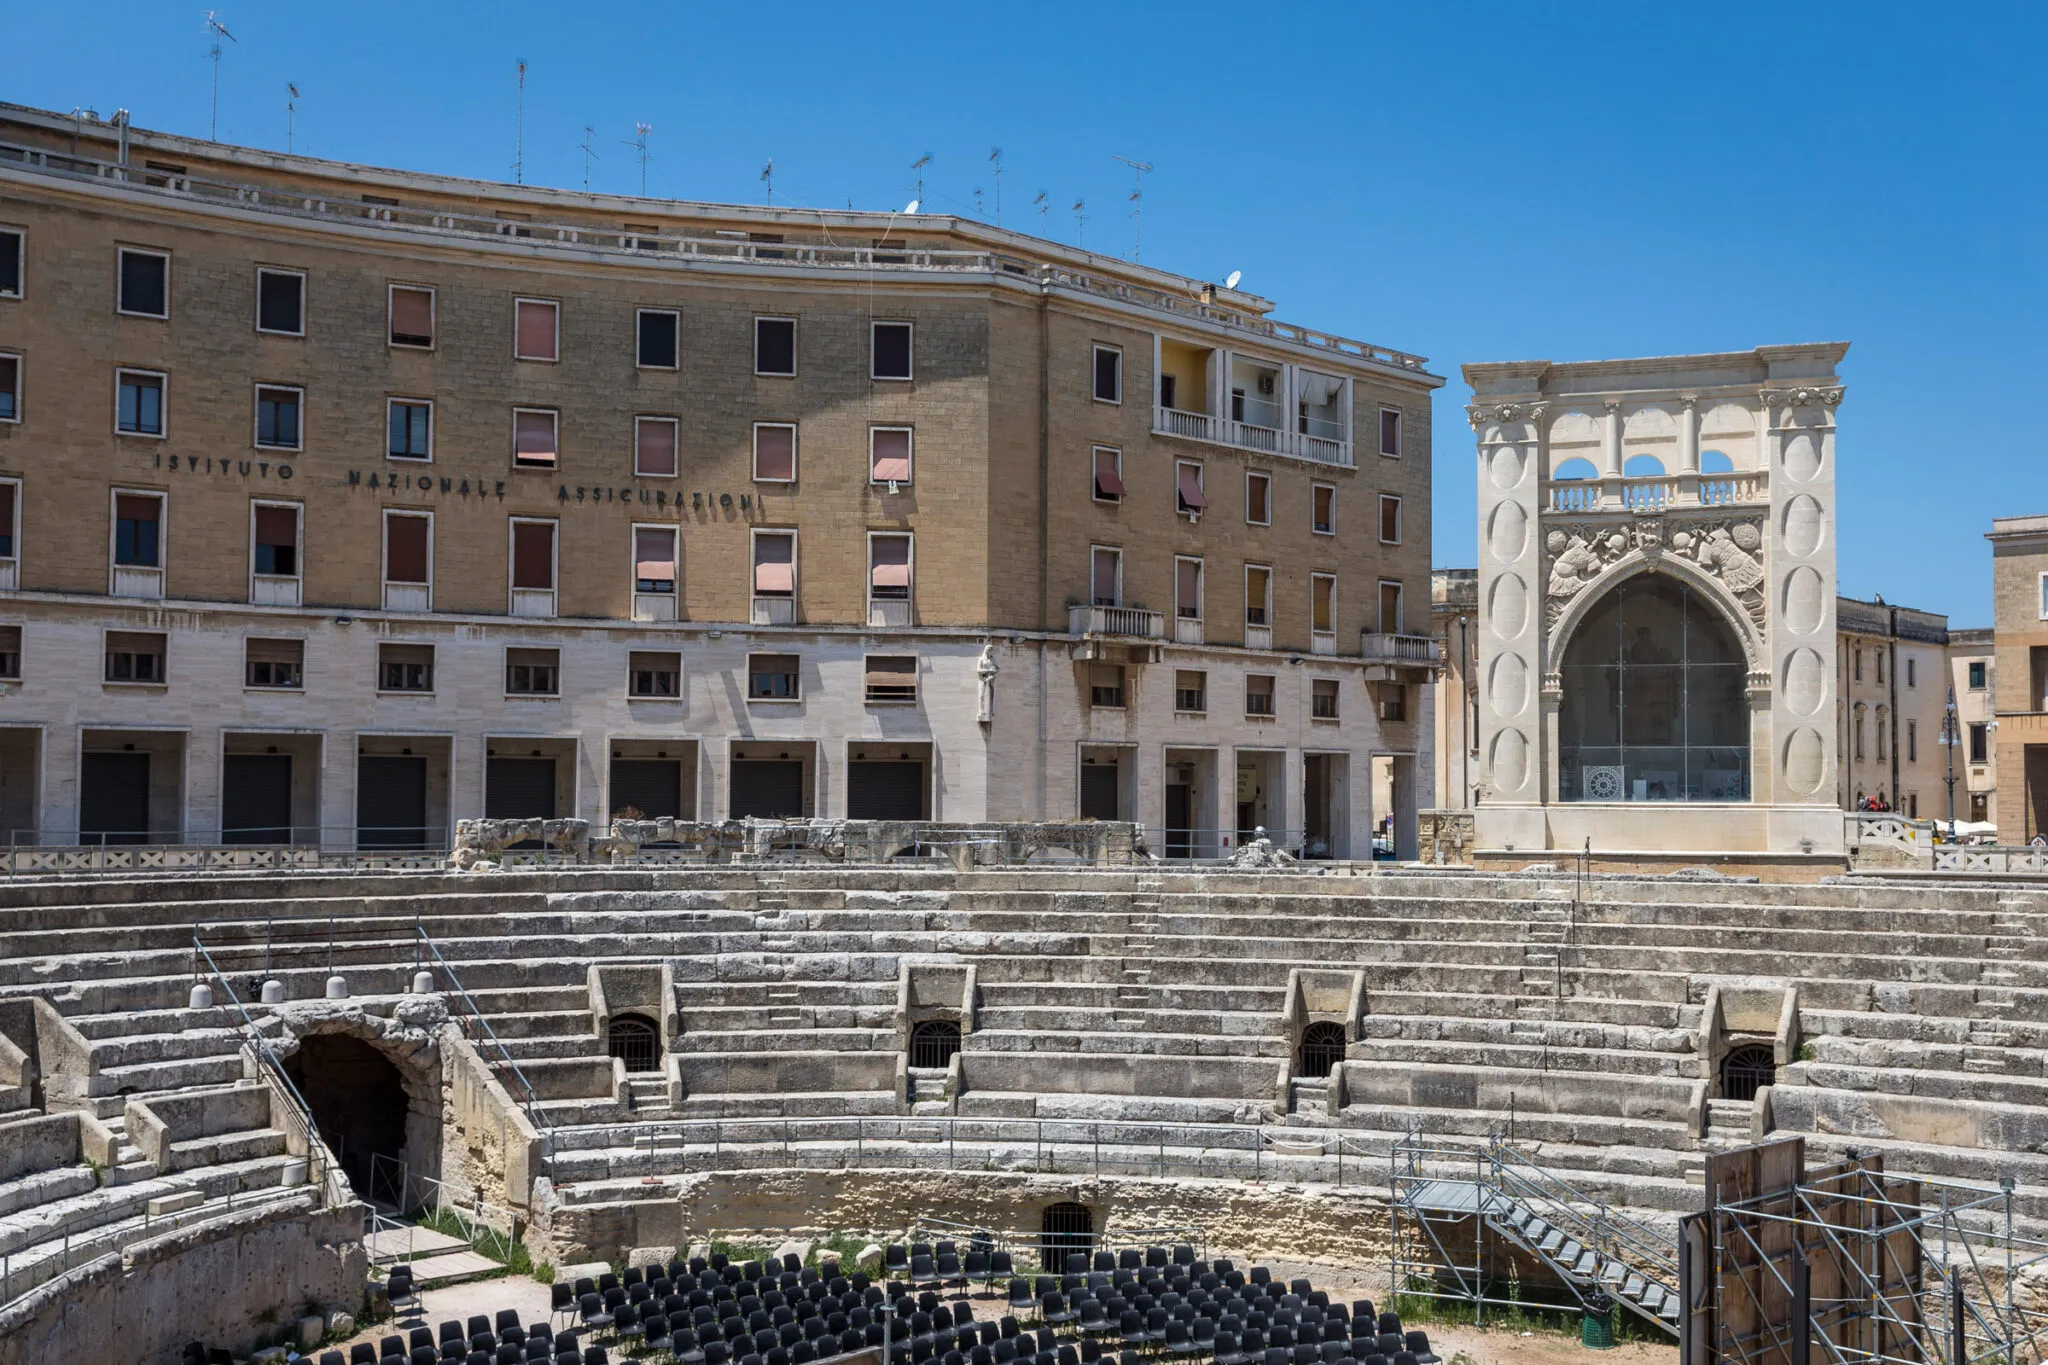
209	1080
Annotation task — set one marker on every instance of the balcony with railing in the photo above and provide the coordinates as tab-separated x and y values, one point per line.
1414	651
1649	494
1188	630
1132	621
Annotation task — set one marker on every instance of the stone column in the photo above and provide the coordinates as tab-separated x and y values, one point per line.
1610	454
1689	435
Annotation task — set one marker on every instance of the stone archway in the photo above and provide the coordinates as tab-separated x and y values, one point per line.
373	1083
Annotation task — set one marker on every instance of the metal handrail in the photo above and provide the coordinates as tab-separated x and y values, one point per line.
1624	1238
529	1100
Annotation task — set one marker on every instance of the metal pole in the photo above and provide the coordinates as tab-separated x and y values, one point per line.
1957	1349
1802	1309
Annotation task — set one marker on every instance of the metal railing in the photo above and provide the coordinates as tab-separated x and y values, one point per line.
1268	437
477	1028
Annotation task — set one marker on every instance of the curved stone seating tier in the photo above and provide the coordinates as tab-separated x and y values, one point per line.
1152	997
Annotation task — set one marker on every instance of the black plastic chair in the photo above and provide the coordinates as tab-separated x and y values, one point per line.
1418	1346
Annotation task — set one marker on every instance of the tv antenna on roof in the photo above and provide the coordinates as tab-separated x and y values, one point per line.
1138	169
995	161
519	133
588	152
768	179
639	144
1043	208
291	105
218	27
1080	223
918	166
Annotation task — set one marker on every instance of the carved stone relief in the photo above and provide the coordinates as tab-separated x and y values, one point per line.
1726	548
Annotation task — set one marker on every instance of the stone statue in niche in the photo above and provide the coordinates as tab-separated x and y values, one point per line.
985	669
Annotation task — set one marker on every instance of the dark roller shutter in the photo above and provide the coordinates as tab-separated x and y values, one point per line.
885	791
113	798
519	788
767	788
1098	792
652	786
391	801
256	799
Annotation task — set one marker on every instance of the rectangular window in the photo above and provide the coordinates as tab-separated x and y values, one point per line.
536	329
775	564
1258	499
654	446
10	521
891	351
10	263
411	429
1109	474
134	657
1322	699
1393	699
773	677
1188	495
412	316
1109	375
1857	655
10	388
1106	576
889	454
660	339
1912	672
533	555
888	568
1190	690
1322	595
274	663
1390	519
1390	432
654	674
1882	728
1322	503
408	547
1980	742
139	405
1912	741
654	559
1258	694
1106	685
774	452
1390	608
138	522
10	653
1258	595
775	346
533	672
277	539
534	437
1880	666
1977	675
145	286
405	668
281	302
1169	390
891	678
277	417
1187	588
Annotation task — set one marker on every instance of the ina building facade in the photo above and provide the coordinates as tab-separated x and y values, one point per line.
339	504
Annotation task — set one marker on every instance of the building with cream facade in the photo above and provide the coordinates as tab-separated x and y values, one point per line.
1656	599
1892	689
342	503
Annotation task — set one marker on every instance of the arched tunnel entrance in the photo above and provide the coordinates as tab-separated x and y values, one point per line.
358	1101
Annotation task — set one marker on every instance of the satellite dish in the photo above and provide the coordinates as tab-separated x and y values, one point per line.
911	207
1235	276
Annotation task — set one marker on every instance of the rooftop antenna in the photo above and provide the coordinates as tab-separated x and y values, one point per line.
768	179
1235	276
1080	223
995	161
1043	208
218	27
979	212
588	152
918	166
1138	169
519	135
291	105
639	143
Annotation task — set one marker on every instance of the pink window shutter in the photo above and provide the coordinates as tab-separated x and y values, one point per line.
277	526
1107	481
534	435
1190	576
1191	488
412	313
892	456
654	555
536	331
890	562
533	555
774	564
656	452
775	453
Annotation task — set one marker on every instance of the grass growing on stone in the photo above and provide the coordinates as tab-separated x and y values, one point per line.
846	1244
484	1241
740	1252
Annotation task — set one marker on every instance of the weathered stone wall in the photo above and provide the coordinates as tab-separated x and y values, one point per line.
487	1145
1316	1223
231	1282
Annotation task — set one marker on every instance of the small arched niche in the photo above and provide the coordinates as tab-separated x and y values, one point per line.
1322	1047
635	1040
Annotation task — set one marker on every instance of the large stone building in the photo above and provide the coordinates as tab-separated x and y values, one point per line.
342	503
1892	689
2019	677
1973	677
1656	601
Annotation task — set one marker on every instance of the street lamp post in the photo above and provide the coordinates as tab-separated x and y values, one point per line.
1949	739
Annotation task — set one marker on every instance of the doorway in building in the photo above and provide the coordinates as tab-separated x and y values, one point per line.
1322	1047
878	789
634	1040
1180	815
1098	791
391	801
256	799
651	786
519	788
767	788
359	1104
1065	1229
113	798
1383	806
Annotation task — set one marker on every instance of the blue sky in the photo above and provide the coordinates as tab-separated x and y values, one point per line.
1472	182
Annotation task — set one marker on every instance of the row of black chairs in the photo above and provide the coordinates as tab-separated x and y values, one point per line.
479	1341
